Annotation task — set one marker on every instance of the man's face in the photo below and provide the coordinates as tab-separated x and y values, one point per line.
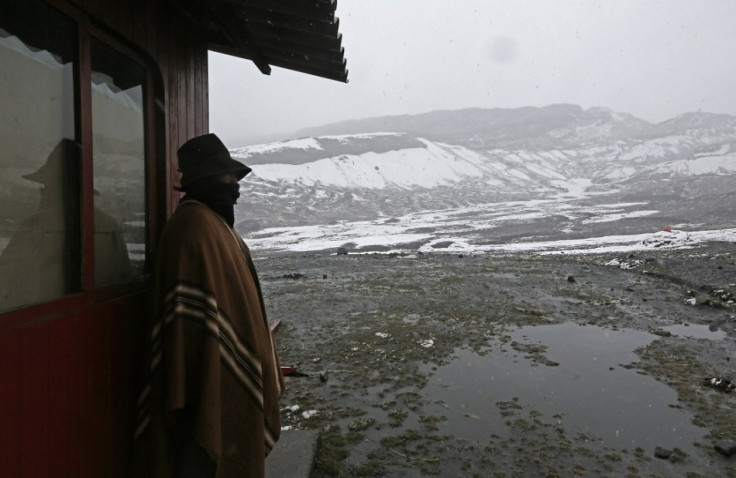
234	190
227	178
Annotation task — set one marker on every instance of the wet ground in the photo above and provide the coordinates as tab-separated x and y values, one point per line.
509	365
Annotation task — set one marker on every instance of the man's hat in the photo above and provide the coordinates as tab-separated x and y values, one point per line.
205	156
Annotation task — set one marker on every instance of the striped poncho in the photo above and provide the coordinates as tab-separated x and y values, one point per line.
214	376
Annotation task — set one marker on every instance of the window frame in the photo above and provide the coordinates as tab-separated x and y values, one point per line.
90	295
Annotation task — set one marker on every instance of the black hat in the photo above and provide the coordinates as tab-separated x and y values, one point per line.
205	156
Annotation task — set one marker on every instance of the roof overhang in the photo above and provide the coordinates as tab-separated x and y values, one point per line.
299	35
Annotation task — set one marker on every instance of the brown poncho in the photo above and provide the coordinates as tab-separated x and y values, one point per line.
214	375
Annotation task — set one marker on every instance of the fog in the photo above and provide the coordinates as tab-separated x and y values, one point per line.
653	59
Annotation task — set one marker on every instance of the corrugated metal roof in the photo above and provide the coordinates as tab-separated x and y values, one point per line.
300	35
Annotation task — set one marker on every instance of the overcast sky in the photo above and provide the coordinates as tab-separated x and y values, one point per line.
653	59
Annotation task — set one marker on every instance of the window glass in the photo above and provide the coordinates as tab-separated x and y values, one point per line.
118	126
39	163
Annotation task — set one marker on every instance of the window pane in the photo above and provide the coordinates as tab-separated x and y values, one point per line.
39	164
118	125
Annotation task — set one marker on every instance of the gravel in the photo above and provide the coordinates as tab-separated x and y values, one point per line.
369	336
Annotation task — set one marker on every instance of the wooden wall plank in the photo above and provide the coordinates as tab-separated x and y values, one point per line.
191	109
68	415
201	76
128	353
34	404
179	54
10	401
98	387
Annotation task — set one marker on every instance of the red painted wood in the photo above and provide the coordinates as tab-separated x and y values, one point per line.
70	369
70	419
10	399
34	406
68	392
98	436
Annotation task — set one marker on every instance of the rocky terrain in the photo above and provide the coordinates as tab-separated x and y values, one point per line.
461	303
485	365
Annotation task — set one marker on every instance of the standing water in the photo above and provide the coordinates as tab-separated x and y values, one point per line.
588	392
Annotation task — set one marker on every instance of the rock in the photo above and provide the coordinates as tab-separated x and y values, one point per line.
570	278
661	333
341	251
292	275
722	384
725	447
662	453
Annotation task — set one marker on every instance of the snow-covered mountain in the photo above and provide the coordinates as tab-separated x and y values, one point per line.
384	167
554	126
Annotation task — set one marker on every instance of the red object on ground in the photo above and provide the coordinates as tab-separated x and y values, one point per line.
667	229
285	370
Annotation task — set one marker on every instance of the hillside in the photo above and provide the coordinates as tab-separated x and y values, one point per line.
452	159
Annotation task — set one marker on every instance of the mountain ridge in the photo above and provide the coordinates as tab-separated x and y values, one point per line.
505	127
556	151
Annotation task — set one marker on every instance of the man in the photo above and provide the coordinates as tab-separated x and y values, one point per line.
209	407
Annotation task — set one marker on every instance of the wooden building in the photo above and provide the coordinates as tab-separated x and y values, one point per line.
96	96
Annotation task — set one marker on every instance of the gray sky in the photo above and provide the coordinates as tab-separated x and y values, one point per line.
654	59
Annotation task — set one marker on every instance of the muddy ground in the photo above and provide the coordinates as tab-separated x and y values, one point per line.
366	333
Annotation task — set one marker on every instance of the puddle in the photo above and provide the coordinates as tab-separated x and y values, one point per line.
589	392
696	331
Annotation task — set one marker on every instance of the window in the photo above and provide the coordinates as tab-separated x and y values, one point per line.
118	126
39	178
42	220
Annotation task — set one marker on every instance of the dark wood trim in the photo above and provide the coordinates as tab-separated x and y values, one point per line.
323	11
276	35
269	32
323	69
34	314
85	119
322	27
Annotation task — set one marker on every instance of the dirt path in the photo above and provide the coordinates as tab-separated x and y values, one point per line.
377	334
